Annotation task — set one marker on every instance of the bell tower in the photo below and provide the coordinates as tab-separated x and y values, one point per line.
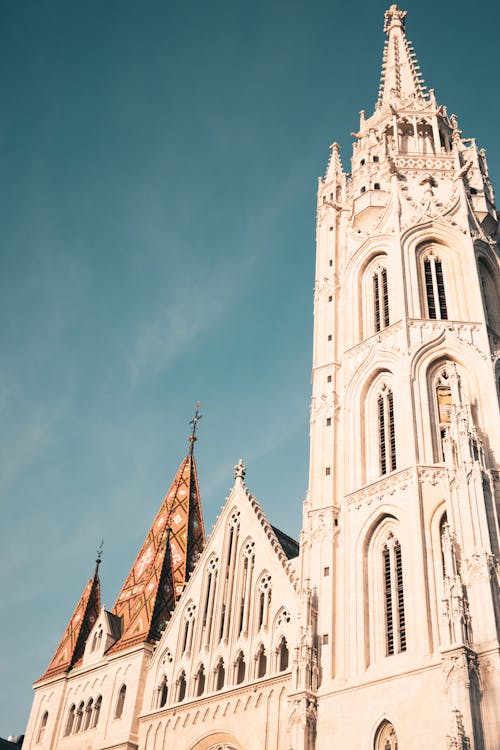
400	543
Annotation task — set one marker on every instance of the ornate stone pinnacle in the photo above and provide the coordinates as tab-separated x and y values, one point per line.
394	17
240	470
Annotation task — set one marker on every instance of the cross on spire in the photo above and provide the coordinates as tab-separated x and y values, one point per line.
194	423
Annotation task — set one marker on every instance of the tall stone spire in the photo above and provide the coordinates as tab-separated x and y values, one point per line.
400	79
162	567
72	644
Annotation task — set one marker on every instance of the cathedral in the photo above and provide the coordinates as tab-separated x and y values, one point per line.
380	628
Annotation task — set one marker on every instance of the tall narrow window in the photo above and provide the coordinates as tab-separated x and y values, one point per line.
395	628
200	680
434	288
163	692
264	601
261	661
246	585
220	675
43	724
181	687
79	717
70	721
120	702
282	655
386	430
380	298
97	711
228	582
88	714
240	668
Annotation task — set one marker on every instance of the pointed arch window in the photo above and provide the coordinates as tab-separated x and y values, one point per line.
240	668
380	298
434	287
264	601
386	430
444	406
163	693
88	714
234	530
220	675
181	687
97	711
188	630
200	680
261	661
246	585
70	720
79	717
208	608
120	702
386	738
43	725
283	656
395	626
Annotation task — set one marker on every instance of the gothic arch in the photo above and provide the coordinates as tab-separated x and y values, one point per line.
217	741
353	278
489	283
450	244
385	736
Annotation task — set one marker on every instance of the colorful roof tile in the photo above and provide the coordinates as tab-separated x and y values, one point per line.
164	563
72	644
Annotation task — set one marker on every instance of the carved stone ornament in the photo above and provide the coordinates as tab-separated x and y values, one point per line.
323	406
381	489
479	567
458	666
389	339
321	525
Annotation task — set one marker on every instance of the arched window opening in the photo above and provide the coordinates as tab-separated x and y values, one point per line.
240	669
264	601
246	584
208	609
43	724
261	662
88	714
405	136
71	720
434	288
120	702
220	675
187	639
380	298
234	530
425	138
386	430
79	717
181	687
97	711
163	693
386	738
444	538
200	680
395	627
282	655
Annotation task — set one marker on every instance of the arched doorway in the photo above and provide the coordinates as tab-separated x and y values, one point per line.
217	741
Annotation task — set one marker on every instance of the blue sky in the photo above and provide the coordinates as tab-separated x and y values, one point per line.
158	168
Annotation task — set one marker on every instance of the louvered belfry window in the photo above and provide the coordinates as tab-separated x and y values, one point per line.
434	288
386	430
380	299
395	628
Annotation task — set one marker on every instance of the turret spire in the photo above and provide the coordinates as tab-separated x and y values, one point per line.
167	557
86	612
400	79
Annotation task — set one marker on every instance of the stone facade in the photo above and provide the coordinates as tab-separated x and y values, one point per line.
384	632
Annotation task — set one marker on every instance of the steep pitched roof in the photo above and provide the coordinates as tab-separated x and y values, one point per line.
72	644
169	552
400	78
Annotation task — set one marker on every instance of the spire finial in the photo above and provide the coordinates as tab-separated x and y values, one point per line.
240	470
98	559
394	17
194	422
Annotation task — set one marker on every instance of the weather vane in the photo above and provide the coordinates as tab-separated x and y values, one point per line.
194	423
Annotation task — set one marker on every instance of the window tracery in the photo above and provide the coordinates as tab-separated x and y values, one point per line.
264	600
434	287
386	738
380	298
386	430
395	626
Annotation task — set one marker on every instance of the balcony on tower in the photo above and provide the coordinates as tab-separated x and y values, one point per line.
369	204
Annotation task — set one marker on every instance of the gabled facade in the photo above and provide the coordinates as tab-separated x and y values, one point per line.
383	632
223	665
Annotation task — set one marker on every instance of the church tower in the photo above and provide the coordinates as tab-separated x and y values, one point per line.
400	542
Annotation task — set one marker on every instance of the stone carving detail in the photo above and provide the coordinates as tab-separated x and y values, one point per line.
458	740
324	405
389	339
321	526
379	490
422	332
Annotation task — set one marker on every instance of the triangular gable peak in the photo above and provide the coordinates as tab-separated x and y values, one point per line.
241	600
169	552
105	632
72	644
